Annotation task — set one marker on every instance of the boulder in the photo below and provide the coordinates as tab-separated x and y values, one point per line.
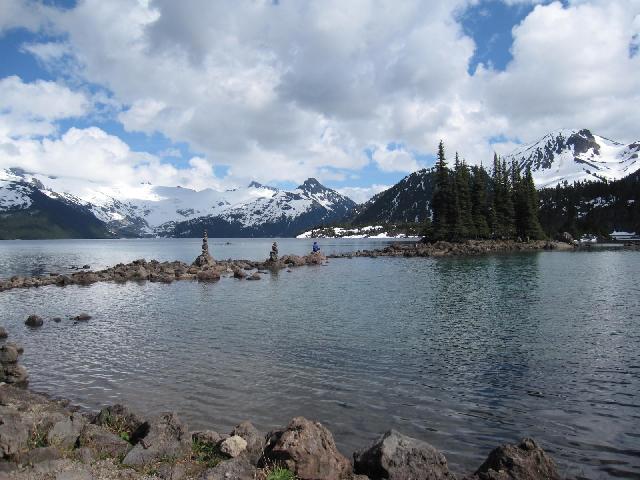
8	354
237	273
14	374
33	321
315	258
3	333
102	441
17	346
238	468
526	461
122	421
397	457
233	446
207	436
167	437
307	449
208	276
41	454
14	432
255	440
254	276
83	317
66	432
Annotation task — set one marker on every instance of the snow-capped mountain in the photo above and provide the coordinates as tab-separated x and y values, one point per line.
576	155
146	209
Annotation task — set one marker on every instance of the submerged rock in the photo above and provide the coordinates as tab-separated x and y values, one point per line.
3	333
83	317
33	321
397	457
307	449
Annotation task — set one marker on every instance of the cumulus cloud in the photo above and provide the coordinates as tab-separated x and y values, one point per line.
280	91
362	194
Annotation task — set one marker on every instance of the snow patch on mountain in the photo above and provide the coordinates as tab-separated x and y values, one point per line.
576	155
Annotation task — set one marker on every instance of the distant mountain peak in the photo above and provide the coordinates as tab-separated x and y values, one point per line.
312	185
575	155
255	184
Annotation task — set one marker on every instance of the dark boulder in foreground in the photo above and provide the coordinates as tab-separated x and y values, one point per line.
526	461
307	449
122	421
397	457
33	321
255	440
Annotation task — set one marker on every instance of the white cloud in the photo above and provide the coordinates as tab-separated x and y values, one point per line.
362	194
31	109
283	92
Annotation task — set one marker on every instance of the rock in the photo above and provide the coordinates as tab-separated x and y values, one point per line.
295	260
3	333
208	276
86	267
7	467
84	455
8	354
83	317
122	421
33	321
56	319
526	461
204	259
168	471
14	432
255	440
207	436
167	437
254	276
397	457
65	433
14	374
315	258
41	454
233	446
18	347
238	468
237	273
102	441
307	449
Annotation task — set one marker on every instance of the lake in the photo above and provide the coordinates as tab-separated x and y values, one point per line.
465	353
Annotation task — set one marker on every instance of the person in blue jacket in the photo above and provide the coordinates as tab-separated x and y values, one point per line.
316	247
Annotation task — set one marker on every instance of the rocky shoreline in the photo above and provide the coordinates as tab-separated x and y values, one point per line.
42	438
206	269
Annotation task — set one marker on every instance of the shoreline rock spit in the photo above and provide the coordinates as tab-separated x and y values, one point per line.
206	269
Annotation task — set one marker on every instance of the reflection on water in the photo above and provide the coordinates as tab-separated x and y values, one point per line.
464	353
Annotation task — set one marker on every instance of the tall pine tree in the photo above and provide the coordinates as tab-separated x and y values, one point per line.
440	199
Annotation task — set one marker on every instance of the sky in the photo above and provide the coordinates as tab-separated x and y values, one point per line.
357	93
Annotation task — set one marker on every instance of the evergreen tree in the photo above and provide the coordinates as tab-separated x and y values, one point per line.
480	210
441	197
533	230
465	227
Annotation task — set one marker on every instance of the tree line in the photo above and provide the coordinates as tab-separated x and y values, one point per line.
471	203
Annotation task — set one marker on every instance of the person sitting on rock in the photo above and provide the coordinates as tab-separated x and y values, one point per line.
316	247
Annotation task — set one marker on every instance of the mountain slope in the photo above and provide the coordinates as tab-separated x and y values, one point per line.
406	202
576	155
147	210
28	213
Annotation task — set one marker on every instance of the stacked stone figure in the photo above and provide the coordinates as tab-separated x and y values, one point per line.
204	258
273	255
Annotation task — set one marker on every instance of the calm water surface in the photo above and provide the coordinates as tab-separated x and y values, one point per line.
464	353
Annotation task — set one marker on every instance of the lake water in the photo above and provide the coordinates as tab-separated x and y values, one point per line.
465	353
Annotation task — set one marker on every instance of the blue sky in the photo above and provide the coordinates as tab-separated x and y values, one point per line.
277	103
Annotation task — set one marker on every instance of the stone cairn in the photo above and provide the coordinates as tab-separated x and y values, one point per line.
10	371
273	254
204	258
